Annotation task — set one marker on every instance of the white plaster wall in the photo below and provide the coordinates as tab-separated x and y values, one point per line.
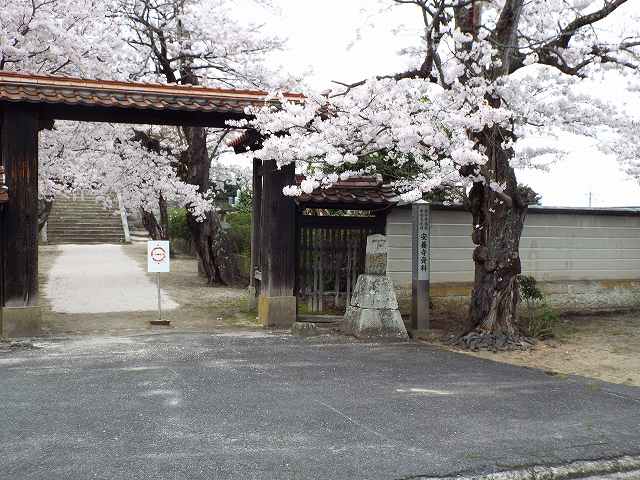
554	246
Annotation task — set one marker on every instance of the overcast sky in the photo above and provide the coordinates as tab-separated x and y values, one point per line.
323	37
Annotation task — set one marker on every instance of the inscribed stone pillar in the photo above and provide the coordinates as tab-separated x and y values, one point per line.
373	309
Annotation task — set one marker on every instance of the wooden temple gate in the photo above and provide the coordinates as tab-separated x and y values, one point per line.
30	103
300	253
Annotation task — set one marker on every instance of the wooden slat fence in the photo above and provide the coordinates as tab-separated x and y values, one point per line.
330	256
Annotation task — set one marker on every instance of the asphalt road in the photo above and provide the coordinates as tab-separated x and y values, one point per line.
176	406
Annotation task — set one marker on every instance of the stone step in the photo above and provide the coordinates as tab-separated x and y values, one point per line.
80	228
85	233
81	241
83	204
89	199
85	242
84	218
89	238
83	221
322	326
96	226
88	231
84	224
84	213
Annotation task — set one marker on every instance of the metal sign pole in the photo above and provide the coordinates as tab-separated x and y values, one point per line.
158	260
421	268
159	299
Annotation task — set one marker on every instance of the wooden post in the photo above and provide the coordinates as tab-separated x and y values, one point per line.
256	217
381	222
277	303
421	261
19	156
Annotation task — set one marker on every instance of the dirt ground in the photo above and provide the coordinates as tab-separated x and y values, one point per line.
604	347
201	308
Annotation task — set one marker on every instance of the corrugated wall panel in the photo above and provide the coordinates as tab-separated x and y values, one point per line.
554	246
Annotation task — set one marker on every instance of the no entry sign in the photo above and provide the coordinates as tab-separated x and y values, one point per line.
158	256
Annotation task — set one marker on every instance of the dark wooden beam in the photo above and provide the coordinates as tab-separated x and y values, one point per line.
19	156
337	222
50	112
345	206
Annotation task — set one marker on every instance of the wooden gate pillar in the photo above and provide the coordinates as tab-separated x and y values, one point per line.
277	302
256	222
20	313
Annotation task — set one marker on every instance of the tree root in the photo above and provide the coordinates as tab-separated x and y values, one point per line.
495	342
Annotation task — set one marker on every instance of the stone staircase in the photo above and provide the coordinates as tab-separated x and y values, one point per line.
83	220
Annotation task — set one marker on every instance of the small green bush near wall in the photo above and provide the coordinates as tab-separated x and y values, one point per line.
240	231
541	318
178	228
179	233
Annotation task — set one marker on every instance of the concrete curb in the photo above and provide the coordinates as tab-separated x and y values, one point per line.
628	465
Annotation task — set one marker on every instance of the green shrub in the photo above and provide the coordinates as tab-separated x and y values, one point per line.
542	318
239	231
179	233
544	323
529	290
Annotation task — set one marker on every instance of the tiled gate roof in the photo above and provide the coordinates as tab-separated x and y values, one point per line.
50	89
363	192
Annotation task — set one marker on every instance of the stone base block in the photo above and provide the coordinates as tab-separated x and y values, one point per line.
20	321
371	322
304	329
252	300
277	312
374	291
328	325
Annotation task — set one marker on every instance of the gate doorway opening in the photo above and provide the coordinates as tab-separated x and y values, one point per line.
330	256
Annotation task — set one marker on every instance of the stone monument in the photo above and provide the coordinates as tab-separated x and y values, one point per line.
373	309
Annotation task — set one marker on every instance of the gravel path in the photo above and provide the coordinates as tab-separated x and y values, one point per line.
100	279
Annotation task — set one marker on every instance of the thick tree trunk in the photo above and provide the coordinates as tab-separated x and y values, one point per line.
217	256
157	230
164	216
151	225
498	218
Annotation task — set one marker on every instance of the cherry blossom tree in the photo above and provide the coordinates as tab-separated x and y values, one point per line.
57	36
487	78
81	39
199	43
